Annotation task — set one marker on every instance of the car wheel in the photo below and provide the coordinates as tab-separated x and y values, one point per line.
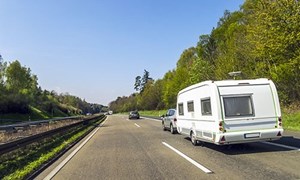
193	139
164	127
172	129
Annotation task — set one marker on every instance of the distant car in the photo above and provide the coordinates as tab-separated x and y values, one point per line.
134	115
169	121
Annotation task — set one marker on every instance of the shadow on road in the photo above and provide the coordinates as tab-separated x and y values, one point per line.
289	141
252	148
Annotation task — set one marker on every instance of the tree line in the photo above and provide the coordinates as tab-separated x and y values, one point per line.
21	94
262	40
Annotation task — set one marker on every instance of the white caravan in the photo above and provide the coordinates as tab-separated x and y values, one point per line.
230	112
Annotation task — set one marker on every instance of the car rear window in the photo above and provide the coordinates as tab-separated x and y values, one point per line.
238	106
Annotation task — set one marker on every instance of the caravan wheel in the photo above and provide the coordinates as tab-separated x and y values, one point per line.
193	139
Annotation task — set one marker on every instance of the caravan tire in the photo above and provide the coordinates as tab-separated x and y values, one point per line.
193	139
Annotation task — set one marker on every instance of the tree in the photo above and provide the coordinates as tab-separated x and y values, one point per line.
274	32
137	84
19	79
2	71
200	71
140	82
146	78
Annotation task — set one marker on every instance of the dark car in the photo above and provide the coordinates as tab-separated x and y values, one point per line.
134	115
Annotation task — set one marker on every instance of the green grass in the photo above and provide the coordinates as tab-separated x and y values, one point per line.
291	121
155	113
35	114
19	117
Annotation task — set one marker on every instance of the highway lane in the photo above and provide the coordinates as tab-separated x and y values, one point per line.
135	149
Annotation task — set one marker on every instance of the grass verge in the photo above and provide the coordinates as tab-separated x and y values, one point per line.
155	113
291	121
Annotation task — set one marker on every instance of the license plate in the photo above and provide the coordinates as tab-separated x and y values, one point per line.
252	135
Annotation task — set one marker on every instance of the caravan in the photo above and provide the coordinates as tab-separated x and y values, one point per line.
230	112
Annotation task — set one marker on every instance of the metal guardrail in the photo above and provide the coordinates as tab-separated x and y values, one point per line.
8	147
30	123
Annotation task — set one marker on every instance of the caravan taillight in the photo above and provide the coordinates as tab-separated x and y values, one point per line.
279	121
221	128
220	124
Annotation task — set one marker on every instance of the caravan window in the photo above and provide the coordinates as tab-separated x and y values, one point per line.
205	107
180	109
190	106
238	106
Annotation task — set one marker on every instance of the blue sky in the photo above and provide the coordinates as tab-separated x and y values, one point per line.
94	49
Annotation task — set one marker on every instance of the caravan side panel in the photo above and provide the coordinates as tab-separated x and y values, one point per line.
197	111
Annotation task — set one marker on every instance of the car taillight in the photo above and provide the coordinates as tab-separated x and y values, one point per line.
175	119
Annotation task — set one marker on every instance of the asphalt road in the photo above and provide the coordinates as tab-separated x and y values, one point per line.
140	149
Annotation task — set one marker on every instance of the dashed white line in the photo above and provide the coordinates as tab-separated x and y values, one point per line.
151	119
204	169
137	125
65	161
281	145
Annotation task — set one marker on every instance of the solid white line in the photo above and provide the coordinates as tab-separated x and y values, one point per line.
137	125
207	171
281	145
65	161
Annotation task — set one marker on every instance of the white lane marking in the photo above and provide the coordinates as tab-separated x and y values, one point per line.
137	125
207	171
151	119
281	145
65	161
